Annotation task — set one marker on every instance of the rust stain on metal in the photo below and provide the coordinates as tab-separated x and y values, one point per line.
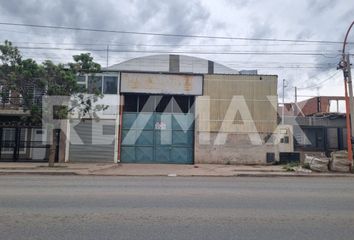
150	83
161	83
134	84
188	83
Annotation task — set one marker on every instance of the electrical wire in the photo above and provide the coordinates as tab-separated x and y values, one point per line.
166	45
184	52
234	64
165	34
321	83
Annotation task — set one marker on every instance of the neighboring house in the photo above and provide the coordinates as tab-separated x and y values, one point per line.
20	141
321	105
320	123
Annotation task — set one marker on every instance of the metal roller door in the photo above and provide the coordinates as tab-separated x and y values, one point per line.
92	141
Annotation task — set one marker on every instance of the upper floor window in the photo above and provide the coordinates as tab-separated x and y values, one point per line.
94	84
110	85
99	84
81	79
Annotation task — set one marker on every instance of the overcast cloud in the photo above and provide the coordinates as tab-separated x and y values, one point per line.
284	19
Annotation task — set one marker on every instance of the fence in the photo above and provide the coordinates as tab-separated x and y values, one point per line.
25	144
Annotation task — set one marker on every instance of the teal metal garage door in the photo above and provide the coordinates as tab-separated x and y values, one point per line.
158	137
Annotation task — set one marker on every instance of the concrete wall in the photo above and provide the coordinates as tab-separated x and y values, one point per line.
238	149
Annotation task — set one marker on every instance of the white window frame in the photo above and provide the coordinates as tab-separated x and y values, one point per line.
102	75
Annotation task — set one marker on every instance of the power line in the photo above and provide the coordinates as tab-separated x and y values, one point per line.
167	34
319	84
186	52
147	45
165	45
235	64
249	65
326	64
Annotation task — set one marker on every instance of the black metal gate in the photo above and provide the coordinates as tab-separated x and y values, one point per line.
18	144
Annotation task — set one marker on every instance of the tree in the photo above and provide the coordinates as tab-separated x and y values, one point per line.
27	78
23	76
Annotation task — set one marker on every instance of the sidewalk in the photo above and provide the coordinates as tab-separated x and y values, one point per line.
107	169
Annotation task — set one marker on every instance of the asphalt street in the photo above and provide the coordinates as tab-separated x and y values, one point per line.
84	207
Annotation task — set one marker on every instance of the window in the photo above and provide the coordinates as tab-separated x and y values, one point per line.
191	105
158	103
130	103
81	79
81	82
110	85
98	84
39	132
94	84
147	103
181	104
164	104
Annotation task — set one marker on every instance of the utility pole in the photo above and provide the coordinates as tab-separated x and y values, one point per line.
283	108
344	64
296	110
107	55
350	87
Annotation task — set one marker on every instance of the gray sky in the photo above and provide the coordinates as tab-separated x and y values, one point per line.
282	19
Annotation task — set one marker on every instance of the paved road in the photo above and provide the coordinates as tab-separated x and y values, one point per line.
77	207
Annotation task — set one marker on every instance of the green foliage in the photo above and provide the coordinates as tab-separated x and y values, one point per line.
84	64
22	76
58	80
306	166
10	56
290	167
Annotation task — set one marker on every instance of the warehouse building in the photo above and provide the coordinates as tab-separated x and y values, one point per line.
178	109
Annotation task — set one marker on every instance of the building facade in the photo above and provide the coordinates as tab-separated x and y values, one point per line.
177	109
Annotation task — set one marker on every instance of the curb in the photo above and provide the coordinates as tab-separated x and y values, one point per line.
166	175
239	174
41	173
295	175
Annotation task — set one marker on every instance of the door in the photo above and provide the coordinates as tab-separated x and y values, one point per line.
39	138
92	141
161	136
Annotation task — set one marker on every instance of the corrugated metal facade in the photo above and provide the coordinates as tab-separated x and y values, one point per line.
153	83
258	91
